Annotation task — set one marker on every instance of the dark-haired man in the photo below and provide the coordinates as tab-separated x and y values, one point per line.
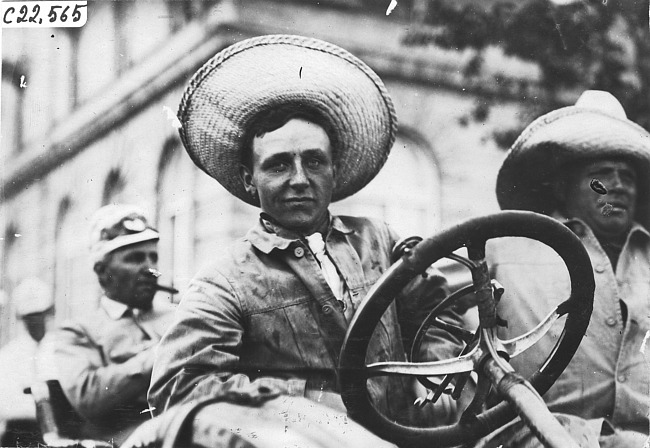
103	360
273	309
588	166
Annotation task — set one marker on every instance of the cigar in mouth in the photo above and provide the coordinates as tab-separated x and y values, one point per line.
168	289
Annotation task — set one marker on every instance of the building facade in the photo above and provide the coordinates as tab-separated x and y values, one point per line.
88	118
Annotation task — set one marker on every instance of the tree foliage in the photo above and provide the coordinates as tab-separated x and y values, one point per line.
580	45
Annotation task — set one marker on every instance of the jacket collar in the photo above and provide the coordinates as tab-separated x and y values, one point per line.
579	227
114	309
266	235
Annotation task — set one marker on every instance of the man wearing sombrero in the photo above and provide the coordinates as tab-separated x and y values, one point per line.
588	166
288	124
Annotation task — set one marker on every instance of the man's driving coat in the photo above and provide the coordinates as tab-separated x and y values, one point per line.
263	312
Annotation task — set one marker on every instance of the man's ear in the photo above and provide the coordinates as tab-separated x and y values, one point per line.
99	267
246	176
100	270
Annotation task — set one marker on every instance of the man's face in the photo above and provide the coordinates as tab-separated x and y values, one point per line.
125	275
38	324
293	173
608	215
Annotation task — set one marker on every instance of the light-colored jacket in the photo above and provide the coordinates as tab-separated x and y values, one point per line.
103	362
609	377
18	360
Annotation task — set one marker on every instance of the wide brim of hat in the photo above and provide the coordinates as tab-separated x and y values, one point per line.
568	135
258	74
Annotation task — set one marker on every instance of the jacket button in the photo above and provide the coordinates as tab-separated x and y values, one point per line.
600	268
299	252
621	378
327	309
611	321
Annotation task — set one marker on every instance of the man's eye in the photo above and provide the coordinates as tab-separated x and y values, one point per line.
279	167
135	258
314	163
628	177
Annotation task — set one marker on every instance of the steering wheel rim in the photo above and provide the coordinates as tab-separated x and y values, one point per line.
352	368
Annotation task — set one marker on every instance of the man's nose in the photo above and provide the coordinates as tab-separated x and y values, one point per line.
299	176
616	182
150	263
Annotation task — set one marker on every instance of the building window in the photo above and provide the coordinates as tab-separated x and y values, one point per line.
65	68
62	279
9	280
221	218
175	210
97	50
113	187
13	107
141	28
405	193
180	12
75	285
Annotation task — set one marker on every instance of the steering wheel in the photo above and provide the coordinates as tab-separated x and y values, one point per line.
484	353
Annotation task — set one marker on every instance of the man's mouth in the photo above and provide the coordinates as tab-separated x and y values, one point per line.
612	207
148	284
299	200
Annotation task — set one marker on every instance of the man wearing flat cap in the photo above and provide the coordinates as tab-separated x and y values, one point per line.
34	306
288	124
588	166
104	360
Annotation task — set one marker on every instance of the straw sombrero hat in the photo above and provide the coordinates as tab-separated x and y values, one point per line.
595	127
256	75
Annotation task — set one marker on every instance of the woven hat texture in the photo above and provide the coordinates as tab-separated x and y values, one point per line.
118	225
595	127
256	75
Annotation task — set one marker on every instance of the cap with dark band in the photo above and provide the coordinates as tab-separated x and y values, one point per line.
118	225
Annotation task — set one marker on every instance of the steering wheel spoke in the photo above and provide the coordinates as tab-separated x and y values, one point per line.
516	346
461	333
461	364
482	352
483	387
